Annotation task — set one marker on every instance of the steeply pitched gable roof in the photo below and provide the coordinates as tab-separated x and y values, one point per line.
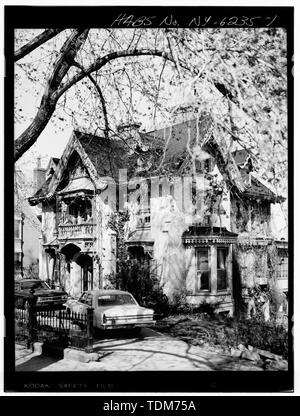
101	157
107	156
175	138
165	148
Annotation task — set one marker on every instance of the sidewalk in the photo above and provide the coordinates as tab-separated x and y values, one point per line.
154	352
26	360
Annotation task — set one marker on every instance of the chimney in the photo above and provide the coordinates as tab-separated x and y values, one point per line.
39	175
130	133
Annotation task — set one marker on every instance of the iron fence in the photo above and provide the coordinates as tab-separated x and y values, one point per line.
59	327
21	326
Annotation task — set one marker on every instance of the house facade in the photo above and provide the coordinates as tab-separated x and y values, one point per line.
27	231
203	230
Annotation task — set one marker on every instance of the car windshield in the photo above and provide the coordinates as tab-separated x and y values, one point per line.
86	298
114	300
34	284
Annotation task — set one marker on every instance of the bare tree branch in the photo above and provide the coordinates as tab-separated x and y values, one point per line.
101	61
55	87
106	130
48	102
36	42
158	87
54	90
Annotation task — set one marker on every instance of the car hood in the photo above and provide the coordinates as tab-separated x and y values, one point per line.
45	292
125	310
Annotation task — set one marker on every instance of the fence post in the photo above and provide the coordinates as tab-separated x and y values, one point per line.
59	323
31	319
89	329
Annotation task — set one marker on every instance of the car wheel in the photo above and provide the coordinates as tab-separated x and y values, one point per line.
136	331
99	333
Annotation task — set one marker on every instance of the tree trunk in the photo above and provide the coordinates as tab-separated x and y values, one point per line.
48	103
29	136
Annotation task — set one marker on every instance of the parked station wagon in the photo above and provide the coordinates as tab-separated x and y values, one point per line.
112	309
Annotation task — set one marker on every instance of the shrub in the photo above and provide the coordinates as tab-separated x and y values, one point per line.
228	332
135	277
266	336
179	305
143	283
255	332
32	271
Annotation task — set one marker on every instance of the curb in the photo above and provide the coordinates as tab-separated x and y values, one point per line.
81	356
40	348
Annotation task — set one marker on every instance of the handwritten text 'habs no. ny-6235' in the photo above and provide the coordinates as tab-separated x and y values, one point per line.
196	21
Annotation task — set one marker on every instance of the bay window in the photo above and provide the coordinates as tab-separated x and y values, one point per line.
211	269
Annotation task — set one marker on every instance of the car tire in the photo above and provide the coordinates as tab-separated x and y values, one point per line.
136	331
99	333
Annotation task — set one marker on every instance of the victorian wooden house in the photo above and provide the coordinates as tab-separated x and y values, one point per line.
206	229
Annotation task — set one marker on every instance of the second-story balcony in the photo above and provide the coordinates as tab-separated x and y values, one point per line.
76	231
144	218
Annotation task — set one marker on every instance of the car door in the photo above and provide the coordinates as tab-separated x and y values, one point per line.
97	312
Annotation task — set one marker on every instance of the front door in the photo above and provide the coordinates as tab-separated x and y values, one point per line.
86	263
87	277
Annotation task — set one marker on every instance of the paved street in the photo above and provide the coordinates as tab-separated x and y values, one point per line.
151	351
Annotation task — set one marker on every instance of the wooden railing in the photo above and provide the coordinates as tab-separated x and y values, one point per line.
75	230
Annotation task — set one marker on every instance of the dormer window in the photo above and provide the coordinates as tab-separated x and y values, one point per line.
204	166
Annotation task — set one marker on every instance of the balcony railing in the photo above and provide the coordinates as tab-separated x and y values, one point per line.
76	230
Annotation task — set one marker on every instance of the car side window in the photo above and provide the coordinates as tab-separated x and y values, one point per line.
82	298
89	299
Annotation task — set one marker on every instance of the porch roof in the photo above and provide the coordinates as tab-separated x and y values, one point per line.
259	189
40	193
83	184
140	237
197	234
